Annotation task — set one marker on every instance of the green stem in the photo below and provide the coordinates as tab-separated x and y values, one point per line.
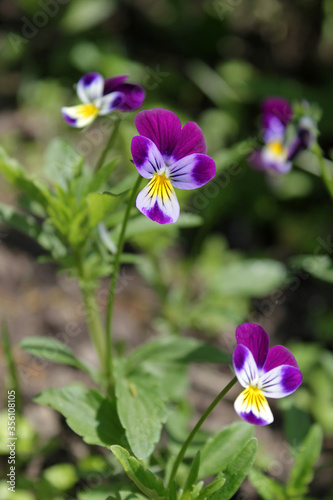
188	441
328	181
94	322
113	281
109	144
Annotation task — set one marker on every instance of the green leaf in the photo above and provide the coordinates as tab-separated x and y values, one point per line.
250	277
52	350
114	492
101	204
102	175
144	479
193	473
23	223
237	471
267	487
303	469
173	491
87	413
61	162
319	266
212	487
15	174
221	448
181	350
141	410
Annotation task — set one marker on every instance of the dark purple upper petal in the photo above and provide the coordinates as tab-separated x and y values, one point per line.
191	140
256	339
161	126
111	84
276	106
277	356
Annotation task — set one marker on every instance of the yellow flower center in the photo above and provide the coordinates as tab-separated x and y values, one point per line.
87	110
275	147
254	397
160	186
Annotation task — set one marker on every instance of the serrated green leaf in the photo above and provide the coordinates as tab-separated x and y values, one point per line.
303	469
52	350
15	174
87	413
100	205
144	479
267	487
221	448
237	471
193	473
141	410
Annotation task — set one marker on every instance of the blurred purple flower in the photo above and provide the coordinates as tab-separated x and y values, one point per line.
101	97
277	155
263	372
170	156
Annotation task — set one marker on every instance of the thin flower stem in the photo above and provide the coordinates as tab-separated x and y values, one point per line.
113	283
93	318
109	144
188	441
328	181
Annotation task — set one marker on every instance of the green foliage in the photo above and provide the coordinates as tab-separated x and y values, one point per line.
302	471
221	448
141	408
61	476
144	479
236	471
87	413
268	488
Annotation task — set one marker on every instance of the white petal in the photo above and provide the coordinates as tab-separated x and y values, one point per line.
253	407
245	367
109	102
80	116
158	201
90	87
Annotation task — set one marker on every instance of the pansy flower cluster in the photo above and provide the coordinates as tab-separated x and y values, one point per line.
277	154
263	372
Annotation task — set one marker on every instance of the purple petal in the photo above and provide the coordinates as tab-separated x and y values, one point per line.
134	96
161	126
158	201
277	356
278	107
245	366
253	407
191	140
192	171
256	339
112	84
274	129
147	158
281	381
90	87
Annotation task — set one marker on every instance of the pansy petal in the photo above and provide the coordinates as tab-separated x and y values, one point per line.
253	407
276	106
245	366
111	84
192	171
281	381
146	157
110	102
256	339
134	96
158	201
161	126
191	140
80	116
90	87
277	356
274	129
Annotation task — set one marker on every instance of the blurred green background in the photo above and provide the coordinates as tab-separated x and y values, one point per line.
212	62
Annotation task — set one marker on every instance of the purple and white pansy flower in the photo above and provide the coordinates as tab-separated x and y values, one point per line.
276	115
263	372
100	97
170	156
